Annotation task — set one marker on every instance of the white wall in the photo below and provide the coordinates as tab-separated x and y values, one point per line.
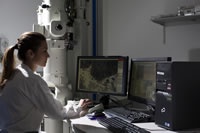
127	30
17	16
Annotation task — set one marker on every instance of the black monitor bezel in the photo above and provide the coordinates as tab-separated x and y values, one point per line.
148	59
125	74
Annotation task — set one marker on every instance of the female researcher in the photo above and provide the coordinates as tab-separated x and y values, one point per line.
25	96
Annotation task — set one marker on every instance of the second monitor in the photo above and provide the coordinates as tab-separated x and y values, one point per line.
142	80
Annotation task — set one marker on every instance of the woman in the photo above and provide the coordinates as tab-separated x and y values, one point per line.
25	96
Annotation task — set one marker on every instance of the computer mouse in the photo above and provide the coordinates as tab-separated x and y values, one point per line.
98	114
96	108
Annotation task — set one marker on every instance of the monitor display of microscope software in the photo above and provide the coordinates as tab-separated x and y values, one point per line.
102	74
142	82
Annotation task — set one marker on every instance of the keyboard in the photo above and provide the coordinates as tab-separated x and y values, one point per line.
117	125
129	115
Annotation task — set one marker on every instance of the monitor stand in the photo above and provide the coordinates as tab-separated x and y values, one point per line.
105	101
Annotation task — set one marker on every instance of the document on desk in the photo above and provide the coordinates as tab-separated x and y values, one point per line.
85	125
86	121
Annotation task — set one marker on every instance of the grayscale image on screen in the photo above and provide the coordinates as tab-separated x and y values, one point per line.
101	74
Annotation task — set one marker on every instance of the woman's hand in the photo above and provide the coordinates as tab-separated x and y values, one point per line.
84	103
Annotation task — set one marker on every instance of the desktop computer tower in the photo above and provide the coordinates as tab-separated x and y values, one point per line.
178	95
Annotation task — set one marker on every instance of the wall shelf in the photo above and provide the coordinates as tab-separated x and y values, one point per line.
174	19
167	20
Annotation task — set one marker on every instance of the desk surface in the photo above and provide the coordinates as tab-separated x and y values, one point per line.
85	125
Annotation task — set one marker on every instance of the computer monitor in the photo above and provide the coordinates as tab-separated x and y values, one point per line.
105	75
142	80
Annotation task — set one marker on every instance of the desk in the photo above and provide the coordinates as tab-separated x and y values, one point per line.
85	125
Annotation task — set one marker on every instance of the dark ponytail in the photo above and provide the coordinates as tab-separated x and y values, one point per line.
28	40
8	64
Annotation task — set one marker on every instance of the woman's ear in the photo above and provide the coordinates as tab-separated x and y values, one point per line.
30	54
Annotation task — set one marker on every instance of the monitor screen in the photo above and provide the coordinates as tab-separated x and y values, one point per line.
102	74
142	83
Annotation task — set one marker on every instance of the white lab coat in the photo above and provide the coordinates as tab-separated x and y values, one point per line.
24	101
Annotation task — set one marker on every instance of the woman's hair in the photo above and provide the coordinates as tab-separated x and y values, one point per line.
27	41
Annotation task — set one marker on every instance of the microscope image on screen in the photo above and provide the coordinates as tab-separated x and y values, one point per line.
101	75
